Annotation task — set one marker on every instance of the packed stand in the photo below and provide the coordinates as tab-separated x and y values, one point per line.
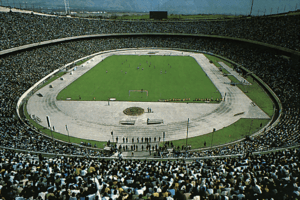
18	73
21	70
268	176
20	29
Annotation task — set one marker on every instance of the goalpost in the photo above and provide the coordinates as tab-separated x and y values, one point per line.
138	91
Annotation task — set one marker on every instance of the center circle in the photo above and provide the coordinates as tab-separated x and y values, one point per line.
133	111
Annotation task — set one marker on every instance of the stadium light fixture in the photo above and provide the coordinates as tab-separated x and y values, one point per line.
67	7
251	8
187	132
49	126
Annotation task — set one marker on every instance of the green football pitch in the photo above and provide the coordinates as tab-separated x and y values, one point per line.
143	78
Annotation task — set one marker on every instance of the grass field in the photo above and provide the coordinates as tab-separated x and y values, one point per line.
184	69
236	131
242	127
123	76
59	136
173	16
255	92
52	79
56	135
201	16
81	62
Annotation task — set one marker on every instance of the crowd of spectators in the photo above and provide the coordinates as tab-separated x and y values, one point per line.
18	73
268	176
21	70
20	29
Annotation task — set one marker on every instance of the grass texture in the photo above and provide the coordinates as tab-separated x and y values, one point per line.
164	77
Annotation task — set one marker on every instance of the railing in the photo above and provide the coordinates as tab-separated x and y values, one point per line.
147	157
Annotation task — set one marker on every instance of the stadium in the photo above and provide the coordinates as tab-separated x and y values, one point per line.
149	109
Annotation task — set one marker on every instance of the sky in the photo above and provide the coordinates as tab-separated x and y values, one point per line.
172	6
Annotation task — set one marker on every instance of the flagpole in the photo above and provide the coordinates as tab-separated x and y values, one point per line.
49	125
68	133
250	127
52	137
187	131
212	138
187	135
